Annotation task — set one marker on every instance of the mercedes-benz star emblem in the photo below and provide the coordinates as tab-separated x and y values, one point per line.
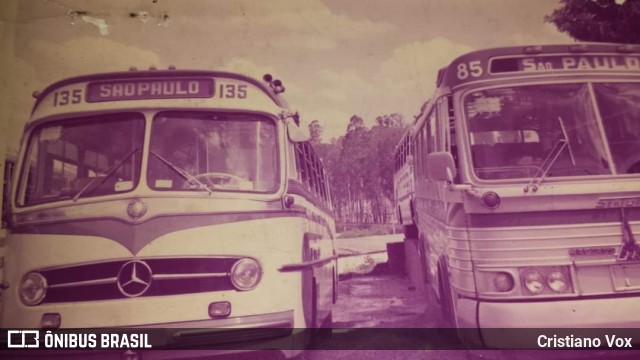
134	278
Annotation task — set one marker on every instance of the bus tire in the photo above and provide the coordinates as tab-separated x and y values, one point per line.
424	260
335	287
314	304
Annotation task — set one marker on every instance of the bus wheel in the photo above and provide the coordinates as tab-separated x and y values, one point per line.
314	304
446	301
424	260
335	287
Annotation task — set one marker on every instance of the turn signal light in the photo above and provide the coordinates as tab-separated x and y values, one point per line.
50	321
503	282
219	309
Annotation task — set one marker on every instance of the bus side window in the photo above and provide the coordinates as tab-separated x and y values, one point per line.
294	168
300	161
447	116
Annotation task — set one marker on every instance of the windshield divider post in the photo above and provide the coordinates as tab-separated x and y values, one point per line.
605	140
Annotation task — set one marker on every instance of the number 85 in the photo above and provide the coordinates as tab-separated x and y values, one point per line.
473	68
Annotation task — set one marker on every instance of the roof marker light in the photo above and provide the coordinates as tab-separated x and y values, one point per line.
532	49
153	68
578	48
133	68
626	48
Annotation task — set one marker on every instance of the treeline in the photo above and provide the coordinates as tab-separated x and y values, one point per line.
360	165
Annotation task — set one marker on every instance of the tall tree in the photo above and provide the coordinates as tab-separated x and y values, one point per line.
355	122
599	20
315	132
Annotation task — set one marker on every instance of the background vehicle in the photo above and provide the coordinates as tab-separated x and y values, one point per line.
527	188
183	199
403	184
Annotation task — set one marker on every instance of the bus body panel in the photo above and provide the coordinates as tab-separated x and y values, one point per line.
48	251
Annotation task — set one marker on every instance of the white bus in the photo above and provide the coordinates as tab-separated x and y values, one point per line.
527	188
168	198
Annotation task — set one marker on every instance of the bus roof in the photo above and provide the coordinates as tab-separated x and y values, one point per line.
522	61
203	81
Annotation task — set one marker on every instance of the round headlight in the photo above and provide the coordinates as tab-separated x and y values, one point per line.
534	282
503	282
246	274
33	288
557	281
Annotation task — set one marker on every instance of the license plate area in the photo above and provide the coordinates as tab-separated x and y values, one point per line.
625	277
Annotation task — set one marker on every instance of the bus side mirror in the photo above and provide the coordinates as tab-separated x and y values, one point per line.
295	133
441	167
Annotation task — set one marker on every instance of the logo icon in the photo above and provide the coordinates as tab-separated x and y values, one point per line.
26	337
629	251
134	278
136	209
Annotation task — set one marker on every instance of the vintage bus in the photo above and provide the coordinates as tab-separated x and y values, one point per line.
168	198
527	188
403	184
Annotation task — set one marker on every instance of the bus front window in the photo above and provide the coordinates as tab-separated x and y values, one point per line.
221	151
619	106
82	157
527	131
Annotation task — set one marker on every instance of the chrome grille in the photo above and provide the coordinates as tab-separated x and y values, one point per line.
122	278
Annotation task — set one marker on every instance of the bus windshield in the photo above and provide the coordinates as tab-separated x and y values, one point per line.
89	156
552	130
220	151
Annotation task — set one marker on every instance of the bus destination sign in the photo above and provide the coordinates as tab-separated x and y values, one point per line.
584	62
149	89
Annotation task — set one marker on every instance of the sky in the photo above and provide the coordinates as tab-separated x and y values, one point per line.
336	58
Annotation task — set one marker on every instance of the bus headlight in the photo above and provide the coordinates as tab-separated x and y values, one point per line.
533	281
246	274
33	288
557	281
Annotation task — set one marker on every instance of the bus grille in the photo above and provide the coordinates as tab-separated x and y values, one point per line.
118	279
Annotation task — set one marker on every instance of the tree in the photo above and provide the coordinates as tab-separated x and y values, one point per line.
360	165
599	20
315	132
355	123
390	120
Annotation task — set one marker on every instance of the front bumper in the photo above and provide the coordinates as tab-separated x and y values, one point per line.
519	324
243	331
272	331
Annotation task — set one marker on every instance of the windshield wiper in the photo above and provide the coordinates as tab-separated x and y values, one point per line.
108	172
562	144
190	178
